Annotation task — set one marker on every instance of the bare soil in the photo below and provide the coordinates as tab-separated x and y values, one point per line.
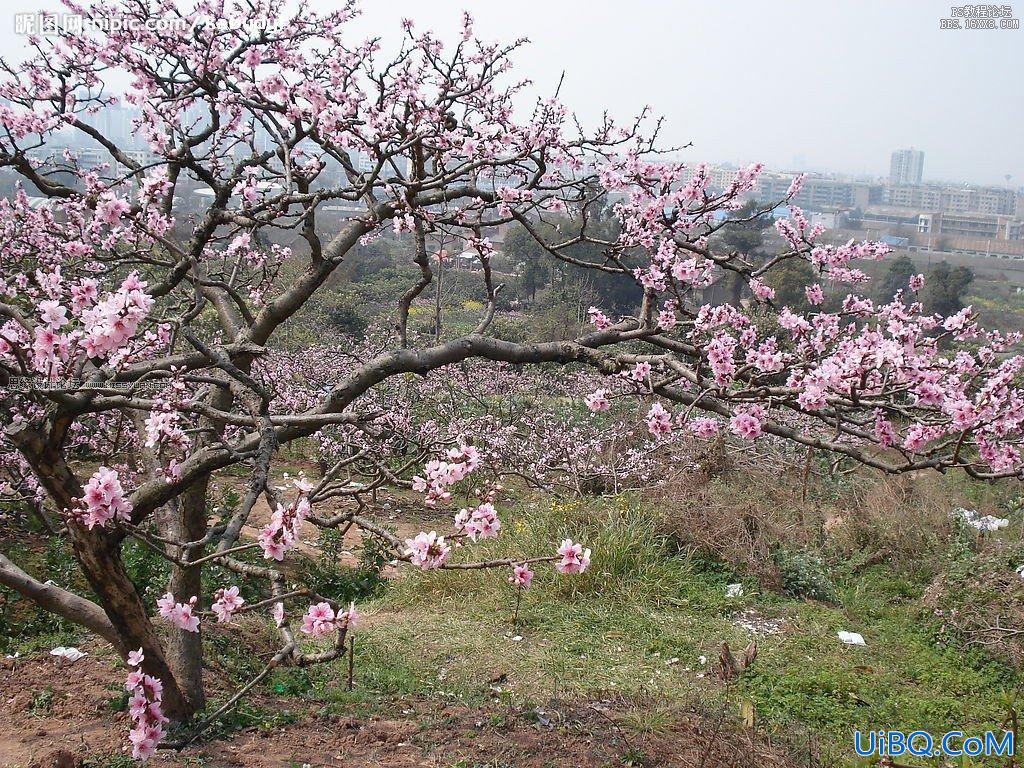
59	715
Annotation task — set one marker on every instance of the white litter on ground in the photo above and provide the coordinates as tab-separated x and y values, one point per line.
851	638
71	654
982	522
756	624
734	590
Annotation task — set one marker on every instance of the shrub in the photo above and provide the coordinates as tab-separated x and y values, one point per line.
804	575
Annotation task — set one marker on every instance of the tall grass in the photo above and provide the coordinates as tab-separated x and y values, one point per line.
633	560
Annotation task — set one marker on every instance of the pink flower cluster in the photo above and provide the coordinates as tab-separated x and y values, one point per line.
144	708
103	500
441	475
163	427
521	576
427	551
320	619
659	420
641	372
181	615
747	422
226	602
598	400
704	427
479	523
575	559
115	319
598	318
281	534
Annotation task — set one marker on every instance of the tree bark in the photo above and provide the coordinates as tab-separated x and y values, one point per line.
185	649
182	519
59	601
99	557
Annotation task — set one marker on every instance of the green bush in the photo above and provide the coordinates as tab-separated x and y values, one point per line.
804	575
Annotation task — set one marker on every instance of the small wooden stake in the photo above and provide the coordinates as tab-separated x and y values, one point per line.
515	618
351	661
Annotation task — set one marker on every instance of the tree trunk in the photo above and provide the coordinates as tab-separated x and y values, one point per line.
101	563
185	649
98	553
182	519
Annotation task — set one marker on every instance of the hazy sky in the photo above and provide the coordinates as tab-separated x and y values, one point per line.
798	84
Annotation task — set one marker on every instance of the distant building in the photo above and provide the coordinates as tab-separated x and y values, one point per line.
818	193
906	166
949	198
821	194
971	225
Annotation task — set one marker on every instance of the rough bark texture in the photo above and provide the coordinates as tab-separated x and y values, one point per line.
99	557
59	601
185	649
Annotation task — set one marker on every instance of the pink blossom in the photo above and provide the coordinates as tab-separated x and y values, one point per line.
53	315
281	534
640	371
812	398
575	559
144	708
745	425
179	614
598	318
441	475
104	500
659	420
319	620
349	619
761	290
598	401
226	602
427	551
704	427
521	576
479	523
667	319
111	209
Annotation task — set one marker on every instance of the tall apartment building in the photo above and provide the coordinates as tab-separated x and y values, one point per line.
906	166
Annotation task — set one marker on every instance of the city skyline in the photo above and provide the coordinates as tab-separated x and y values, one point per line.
801	86
115	123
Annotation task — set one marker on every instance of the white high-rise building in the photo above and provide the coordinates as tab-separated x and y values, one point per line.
906	166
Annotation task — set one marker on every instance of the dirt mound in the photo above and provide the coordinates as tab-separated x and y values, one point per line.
55	714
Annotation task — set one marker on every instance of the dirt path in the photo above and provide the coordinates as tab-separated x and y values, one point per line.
55	715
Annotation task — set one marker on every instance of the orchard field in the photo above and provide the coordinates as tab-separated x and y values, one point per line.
354	414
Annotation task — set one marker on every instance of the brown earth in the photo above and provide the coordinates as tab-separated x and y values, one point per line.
59	715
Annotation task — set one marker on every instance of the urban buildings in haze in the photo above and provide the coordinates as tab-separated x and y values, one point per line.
906	166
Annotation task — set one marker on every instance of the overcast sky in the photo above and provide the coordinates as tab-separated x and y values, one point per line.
798	84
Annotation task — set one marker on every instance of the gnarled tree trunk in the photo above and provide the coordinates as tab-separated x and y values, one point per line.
98	553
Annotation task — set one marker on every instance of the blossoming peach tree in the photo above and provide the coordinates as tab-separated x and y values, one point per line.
143	299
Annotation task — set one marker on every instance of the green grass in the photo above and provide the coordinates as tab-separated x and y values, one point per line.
636	624
632	628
